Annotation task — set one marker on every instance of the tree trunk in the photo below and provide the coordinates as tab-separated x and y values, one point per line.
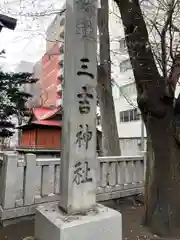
163	177
162	193
110	139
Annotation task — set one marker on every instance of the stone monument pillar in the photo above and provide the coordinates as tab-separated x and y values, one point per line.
78	158
77	216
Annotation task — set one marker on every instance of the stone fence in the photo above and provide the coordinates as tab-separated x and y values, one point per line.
28	181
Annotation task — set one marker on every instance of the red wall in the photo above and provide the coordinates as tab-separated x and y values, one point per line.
28	138
41	138
49	80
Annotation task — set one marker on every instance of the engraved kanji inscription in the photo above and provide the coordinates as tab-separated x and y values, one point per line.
84	103
87	6
84	68
83	136
84	28
81	173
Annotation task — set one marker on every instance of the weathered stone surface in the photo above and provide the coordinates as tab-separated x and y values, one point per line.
101	223
78	159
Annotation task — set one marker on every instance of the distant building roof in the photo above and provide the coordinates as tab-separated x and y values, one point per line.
43	123
43	113
42	117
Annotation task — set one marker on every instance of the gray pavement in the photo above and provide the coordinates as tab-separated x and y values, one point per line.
17	231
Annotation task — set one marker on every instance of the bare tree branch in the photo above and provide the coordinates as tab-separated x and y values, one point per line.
163	36
175	72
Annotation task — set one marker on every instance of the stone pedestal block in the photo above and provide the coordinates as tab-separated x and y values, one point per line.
100	223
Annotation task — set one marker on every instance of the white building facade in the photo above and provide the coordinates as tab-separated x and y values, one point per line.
131	129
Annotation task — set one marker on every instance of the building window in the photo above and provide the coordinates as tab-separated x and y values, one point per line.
126	116
129	115
61	78
121	116
122	44
125	66
62	22
62	34
136	114
61	49
98	120
61	63
129	90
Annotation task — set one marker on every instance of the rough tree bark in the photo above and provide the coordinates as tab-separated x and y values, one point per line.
155	100
110	139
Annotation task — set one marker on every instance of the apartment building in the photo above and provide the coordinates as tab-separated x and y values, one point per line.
131	130
52	63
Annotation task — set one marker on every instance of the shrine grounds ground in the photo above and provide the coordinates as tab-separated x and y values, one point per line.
132	227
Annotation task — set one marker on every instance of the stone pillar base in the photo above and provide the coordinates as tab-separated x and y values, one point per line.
100	223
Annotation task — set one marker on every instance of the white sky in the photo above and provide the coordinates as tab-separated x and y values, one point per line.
27	41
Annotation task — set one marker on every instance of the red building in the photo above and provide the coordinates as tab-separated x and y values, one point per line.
49	79
43	130
52	64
